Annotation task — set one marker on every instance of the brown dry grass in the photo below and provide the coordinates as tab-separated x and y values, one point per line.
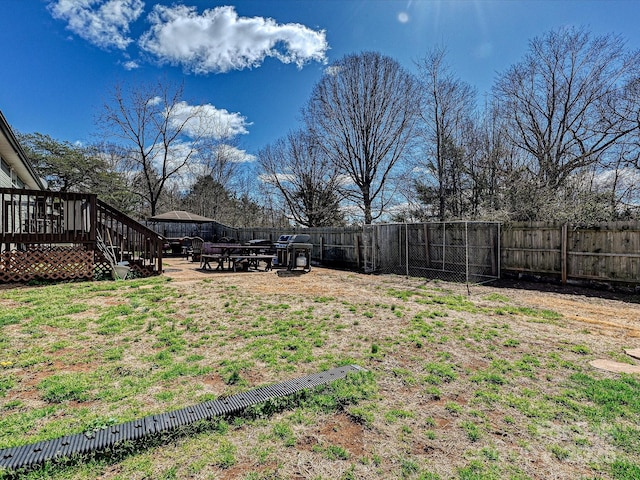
612	313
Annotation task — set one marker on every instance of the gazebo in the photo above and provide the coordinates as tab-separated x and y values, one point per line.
180	216
177	242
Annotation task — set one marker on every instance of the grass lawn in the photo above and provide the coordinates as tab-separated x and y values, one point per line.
486	385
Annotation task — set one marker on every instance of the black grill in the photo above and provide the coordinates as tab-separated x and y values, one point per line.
294	252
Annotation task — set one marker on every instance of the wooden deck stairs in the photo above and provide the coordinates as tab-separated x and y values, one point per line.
54	236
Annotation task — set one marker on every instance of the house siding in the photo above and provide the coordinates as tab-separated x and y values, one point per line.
9	178
5	174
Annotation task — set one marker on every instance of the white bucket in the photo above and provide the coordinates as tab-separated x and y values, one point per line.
120	272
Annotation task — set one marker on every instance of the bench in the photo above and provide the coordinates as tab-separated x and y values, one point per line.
206	258
235	254
248	261
211	252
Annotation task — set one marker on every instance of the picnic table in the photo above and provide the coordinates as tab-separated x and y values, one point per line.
234	255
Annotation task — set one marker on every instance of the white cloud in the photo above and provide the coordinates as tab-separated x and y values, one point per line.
332	70
208	121
175	155
104	23
624	178
154	101
226	153
237	155
282	177
218	40
200	167
273	179
344	180
131	65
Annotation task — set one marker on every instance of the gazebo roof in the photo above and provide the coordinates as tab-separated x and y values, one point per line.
180	216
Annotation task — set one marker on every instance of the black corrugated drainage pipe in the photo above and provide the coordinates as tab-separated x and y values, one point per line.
33	455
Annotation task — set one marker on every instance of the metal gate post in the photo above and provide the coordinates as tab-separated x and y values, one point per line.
466	249
499	254
444	241
406	246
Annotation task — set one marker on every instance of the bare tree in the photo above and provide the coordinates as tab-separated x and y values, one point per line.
162	136
219	155
209	198
632	95
220	161
494	167
362	112
301	173
447	130
117	191
562	102
621	179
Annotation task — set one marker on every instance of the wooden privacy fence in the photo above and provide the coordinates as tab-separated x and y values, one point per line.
606	252
339	247
458	251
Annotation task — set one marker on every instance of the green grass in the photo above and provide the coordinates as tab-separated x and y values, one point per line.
439	372
65	386
333	452
225	455
443	367
624	470
6	383
472	430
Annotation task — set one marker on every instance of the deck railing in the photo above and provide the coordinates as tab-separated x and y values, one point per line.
53	235
130	240
33	216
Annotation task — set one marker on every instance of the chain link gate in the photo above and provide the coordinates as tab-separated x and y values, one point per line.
451	251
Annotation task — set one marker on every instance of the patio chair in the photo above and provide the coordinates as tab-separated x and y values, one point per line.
196	248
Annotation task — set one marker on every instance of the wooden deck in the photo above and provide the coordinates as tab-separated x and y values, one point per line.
53	236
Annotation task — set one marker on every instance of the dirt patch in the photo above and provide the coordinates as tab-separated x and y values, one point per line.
341	431
240	471
598	308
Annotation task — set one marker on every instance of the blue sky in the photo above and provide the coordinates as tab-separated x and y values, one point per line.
60	58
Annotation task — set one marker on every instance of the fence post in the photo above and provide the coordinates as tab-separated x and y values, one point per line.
498	251
426	244
365	257
563	254
466	250
93	220
371	258
406	247
444	250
